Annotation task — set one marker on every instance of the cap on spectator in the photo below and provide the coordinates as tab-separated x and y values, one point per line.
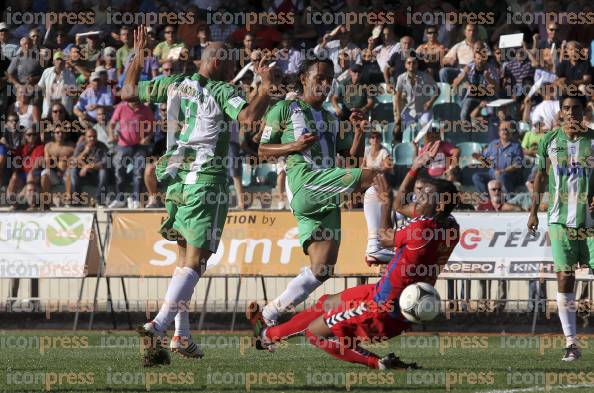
150	29
110	51
94	76
3	26
100	69
355	67
58	55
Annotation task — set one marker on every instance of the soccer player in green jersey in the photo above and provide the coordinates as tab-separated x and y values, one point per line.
565	156
310	138
200	108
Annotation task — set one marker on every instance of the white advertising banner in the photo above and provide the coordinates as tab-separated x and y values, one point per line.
498	245
47	245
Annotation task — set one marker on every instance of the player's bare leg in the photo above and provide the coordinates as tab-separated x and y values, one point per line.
566	306
323	254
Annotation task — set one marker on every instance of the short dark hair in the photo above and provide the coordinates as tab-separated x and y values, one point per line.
447	192
578	96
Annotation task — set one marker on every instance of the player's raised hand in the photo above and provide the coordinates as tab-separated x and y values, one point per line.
268	72
532	224
140	41
383	189
425	158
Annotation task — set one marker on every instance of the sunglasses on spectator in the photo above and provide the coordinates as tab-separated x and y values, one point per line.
29	134
168	31
431	32
495	189
553	29
56	110
166	69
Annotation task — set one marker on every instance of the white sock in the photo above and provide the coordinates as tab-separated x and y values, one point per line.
297	291
373	215
180	290
182	323
566	306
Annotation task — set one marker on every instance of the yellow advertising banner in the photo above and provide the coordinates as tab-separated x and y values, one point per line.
253	243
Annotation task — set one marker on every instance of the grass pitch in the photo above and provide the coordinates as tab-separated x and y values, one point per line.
36	361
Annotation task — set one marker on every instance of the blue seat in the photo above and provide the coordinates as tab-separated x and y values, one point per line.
466	151
265	175
247	175
403	154
445	94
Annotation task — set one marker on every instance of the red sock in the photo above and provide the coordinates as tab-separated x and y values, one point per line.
343	352
298	323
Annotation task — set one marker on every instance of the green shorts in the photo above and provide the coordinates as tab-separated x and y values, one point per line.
316	203
571	246
197	212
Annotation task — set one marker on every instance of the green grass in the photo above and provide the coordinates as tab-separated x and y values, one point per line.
110	362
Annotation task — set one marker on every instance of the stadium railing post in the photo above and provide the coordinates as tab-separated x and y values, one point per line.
204	302
236	303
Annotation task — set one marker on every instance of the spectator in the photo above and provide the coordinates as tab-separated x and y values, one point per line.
150	69
133	119
551	39
94	96
416	91
101	129
546	112
161	51
532	138
11	136
445	163
396	64
166	69
57	156
76	63
236	164
383	53
89	50
57	84
35	37
222	31
352	95
459	55
430	53
333	44
57	117
8	49
520	72
123	51
27	164
158	148
574	69
503	157
91	163
203	38
376	155
265	37
24	68
108	61
27	112
483	80
288	58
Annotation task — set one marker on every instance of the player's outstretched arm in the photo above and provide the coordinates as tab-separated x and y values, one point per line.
401	204
130	88
258	105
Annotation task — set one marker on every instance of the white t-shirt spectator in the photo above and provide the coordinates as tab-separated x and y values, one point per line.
333	48
384	53
546	112
56	88
461	52
377	161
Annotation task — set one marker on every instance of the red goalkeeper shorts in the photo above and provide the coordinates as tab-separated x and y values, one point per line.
359	317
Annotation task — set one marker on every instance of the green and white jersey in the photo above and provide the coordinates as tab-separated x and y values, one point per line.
289	119
199	116
569	176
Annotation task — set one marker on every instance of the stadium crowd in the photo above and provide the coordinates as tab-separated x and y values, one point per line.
421	71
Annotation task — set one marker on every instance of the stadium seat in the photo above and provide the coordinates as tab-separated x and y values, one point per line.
523	127
265	175
445	94
466	151
246	175
457	137
382	112
447	112
403	154
409	133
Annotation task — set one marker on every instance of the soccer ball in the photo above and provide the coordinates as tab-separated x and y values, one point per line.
420	302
